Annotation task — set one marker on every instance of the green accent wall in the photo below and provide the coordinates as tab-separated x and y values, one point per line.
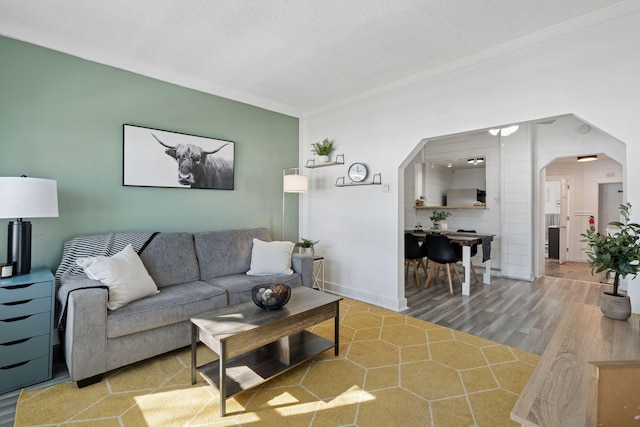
61	118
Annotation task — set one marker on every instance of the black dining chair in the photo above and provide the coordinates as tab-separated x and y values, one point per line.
474	251
442	254
413	254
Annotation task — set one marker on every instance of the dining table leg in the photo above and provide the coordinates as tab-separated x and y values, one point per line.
466	263
486	277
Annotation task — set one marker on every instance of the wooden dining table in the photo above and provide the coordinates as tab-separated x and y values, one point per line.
466	240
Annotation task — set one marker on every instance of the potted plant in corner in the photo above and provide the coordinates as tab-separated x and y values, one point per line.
617	254
438	218
306	246
323	150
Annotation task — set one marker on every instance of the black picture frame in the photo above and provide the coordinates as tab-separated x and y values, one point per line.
161	158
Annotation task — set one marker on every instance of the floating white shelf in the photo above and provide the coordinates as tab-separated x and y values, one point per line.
377	180
311	163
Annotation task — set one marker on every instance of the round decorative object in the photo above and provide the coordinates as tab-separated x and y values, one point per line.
616	307
358	172
271	297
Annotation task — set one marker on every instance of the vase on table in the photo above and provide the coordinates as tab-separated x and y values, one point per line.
307	251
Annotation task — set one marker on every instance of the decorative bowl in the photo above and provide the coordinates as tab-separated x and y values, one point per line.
271	297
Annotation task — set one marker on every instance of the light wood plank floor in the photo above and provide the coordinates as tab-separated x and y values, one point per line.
516	313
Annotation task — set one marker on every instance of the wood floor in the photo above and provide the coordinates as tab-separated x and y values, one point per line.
516	313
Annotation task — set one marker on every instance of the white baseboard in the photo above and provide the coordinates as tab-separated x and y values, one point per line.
396	305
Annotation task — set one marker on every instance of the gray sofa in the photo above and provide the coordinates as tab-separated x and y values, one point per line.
194	273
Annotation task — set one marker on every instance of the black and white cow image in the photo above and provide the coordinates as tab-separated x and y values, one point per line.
201	169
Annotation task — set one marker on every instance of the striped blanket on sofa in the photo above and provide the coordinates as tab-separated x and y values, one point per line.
90	246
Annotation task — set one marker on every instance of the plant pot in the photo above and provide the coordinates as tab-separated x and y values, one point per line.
307	251
324	159
616	307
439	225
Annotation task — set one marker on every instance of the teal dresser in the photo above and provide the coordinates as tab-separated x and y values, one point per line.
26	329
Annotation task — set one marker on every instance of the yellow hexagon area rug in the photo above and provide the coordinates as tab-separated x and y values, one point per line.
391	370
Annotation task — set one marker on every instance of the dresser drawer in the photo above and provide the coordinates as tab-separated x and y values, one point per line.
24	349
22	374
18	292
10	310
25	326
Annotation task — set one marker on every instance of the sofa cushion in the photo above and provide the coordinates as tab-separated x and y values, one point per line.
268	258
221	253
173	304
123	273
171	258
238	286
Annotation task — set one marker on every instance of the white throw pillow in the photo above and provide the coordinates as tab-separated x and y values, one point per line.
123	273
268	258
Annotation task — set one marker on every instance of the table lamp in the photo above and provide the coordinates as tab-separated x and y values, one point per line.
292	183
23	197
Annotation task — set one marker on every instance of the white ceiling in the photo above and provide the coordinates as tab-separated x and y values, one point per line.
293	56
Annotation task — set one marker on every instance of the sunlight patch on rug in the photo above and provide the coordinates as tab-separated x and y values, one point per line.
391	370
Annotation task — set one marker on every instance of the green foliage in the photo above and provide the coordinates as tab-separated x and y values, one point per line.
323	148
439	215
306	243
617	253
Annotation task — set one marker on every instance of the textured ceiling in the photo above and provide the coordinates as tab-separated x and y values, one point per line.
291	56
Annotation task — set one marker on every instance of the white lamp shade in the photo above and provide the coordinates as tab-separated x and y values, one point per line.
23	197
295	184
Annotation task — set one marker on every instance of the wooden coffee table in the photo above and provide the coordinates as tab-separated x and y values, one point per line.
255	345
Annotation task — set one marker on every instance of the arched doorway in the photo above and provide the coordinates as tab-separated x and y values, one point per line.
540	142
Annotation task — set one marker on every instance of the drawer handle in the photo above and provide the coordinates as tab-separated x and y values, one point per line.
15	365
7	344
26	285
24	301
16	319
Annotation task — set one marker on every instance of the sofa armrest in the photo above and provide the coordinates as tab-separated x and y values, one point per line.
85	334
303	264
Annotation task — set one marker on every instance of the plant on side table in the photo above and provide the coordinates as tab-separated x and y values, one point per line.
617	253
323	150
439	218
307	246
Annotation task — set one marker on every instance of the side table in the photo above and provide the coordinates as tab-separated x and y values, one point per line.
26	329
318	272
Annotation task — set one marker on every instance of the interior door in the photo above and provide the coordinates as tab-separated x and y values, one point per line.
564	221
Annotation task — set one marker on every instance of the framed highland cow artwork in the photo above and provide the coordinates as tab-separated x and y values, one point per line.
160	158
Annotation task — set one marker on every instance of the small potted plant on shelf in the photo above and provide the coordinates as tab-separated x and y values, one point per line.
438	218
306	246
618	254
323	150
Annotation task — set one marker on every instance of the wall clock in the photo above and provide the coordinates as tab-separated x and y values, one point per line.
357	172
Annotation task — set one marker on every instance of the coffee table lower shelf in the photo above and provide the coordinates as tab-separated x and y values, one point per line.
255	367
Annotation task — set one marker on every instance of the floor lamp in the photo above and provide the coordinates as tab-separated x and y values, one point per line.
292	183
22	197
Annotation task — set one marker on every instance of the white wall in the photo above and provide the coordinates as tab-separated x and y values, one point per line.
517	205
469	178
552	196
591	72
